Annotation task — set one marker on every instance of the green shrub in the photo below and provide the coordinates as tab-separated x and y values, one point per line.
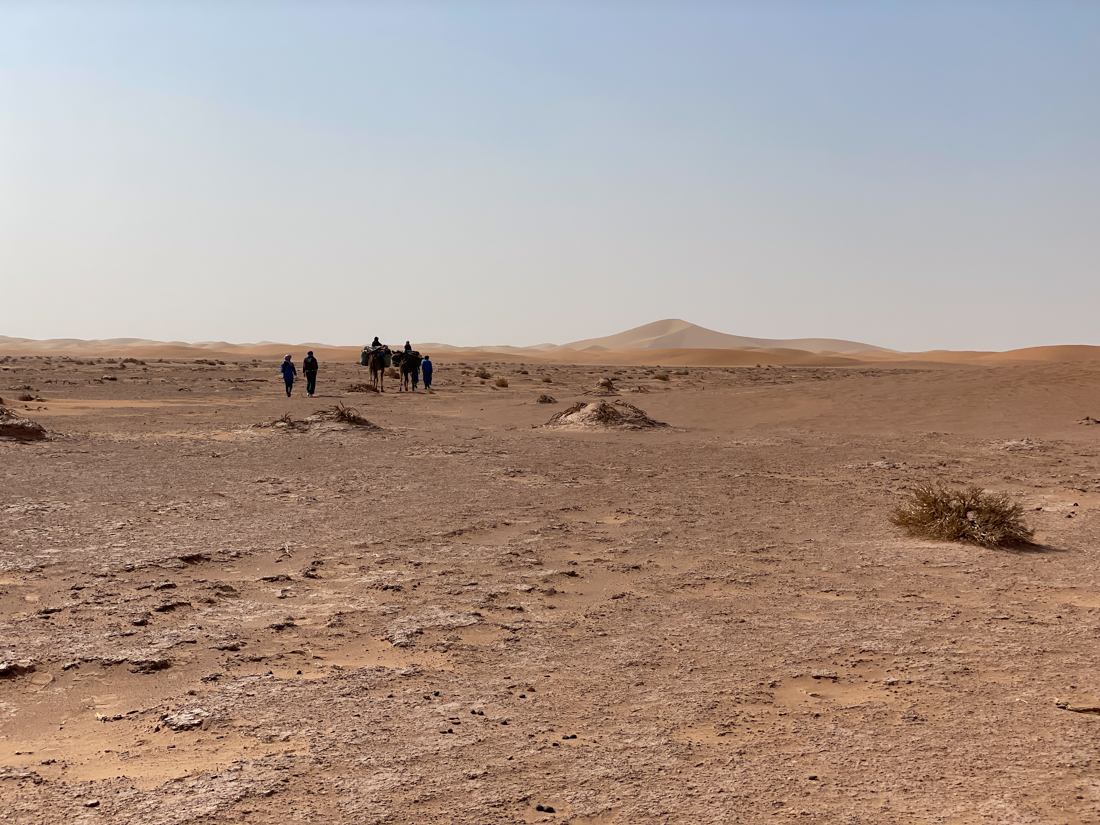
972	516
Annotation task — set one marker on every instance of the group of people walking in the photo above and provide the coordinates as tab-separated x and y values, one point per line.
310	367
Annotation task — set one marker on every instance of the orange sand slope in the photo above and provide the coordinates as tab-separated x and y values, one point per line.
631	348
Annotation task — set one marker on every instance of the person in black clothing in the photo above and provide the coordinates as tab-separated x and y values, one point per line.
375	344
408	347
309	369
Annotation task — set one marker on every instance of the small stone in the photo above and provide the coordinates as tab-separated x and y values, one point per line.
549	809
539	808
92	803
812	777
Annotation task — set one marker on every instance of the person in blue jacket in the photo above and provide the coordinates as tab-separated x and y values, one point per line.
426	368
288	374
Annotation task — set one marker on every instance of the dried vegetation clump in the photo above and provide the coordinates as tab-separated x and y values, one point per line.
16	427
617	415
343	414
546	399
360	387
972	516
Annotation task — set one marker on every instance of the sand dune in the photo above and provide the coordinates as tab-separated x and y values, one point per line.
631	348
673	333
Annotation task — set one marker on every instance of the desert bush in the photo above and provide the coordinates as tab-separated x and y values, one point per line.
679	372
391	372
502	382
362	388
483	373
546	399
661	376
972	516
345	414
25	397
524	372
546	379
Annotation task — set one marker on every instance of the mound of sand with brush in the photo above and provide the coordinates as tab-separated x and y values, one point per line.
21	429
603	415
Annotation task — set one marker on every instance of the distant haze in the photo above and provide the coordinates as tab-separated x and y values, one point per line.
918	175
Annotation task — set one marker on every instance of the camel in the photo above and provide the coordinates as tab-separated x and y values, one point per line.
409	363
376	360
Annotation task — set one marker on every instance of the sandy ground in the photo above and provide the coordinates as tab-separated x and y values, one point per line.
461	615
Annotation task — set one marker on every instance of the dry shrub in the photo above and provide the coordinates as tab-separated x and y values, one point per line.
25	397
546	399
344	415
546	379
524	372
679	372
972	516
502	382
483	373
391	372
362	388
661	376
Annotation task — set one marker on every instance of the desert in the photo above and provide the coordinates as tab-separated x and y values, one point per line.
221	605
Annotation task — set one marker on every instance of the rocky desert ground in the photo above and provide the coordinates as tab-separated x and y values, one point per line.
217	606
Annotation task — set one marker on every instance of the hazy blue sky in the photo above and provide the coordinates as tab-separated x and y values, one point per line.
911	174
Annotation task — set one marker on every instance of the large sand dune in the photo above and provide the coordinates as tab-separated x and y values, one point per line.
673	333
630	348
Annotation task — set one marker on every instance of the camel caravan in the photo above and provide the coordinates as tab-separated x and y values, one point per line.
378	358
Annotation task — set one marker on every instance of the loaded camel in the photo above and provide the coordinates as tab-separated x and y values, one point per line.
377	359
409	364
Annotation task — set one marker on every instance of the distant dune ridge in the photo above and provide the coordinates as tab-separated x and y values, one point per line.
671	342
672	333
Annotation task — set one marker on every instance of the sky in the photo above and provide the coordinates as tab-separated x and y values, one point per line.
915	174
